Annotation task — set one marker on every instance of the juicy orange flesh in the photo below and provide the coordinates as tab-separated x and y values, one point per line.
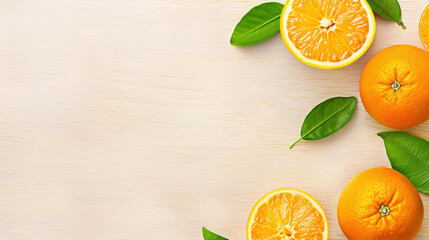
424	28
287	216
327	30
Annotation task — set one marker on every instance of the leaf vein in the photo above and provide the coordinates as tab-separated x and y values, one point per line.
384	11
325	120
407	151
260	26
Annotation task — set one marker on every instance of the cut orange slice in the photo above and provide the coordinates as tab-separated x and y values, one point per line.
327	33
287	214
424	28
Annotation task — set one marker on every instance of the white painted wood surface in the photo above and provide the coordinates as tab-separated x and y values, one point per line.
135	119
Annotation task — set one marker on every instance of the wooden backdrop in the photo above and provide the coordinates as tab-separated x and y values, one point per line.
136	119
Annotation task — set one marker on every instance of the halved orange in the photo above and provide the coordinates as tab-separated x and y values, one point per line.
287	214
424	28
327	33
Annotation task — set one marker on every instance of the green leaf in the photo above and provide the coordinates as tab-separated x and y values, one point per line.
211	236
409	155
327	118
388	9
259	24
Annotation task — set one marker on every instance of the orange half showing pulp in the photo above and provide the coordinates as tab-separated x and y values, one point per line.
327	33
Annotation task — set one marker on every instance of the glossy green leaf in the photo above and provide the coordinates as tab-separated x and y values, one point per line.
327	118
409	155
211	236
259	24
388	9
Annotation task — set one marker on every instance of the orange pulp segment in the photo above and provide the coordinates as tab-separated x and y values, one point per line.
424	28
287	214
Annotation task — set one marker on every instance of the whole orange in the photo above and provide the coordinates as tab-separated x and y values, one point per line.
380	204
394	86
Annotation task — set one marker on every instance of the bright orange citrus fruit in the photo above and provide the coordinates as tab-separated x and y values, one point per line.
424	28
394	86
327	34
287	214
380	204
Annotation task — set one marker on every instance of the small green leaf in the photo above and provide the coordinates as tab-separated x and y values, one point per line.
327	118
388	9
409	155
211	236
259	24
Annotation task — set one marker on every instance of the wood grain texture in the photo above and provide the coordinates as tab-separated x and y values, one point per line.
135	119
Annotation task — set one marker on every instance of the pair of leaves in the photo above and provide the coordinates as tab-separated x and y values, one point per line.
388	9
208	235
409	155
327	118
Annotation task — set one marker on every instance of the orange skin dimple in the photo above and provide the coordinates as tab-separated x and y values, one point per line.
406	107
360	203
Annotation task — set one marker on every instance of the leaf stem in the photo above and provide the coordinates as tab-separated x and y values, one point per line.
402	25
297	141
